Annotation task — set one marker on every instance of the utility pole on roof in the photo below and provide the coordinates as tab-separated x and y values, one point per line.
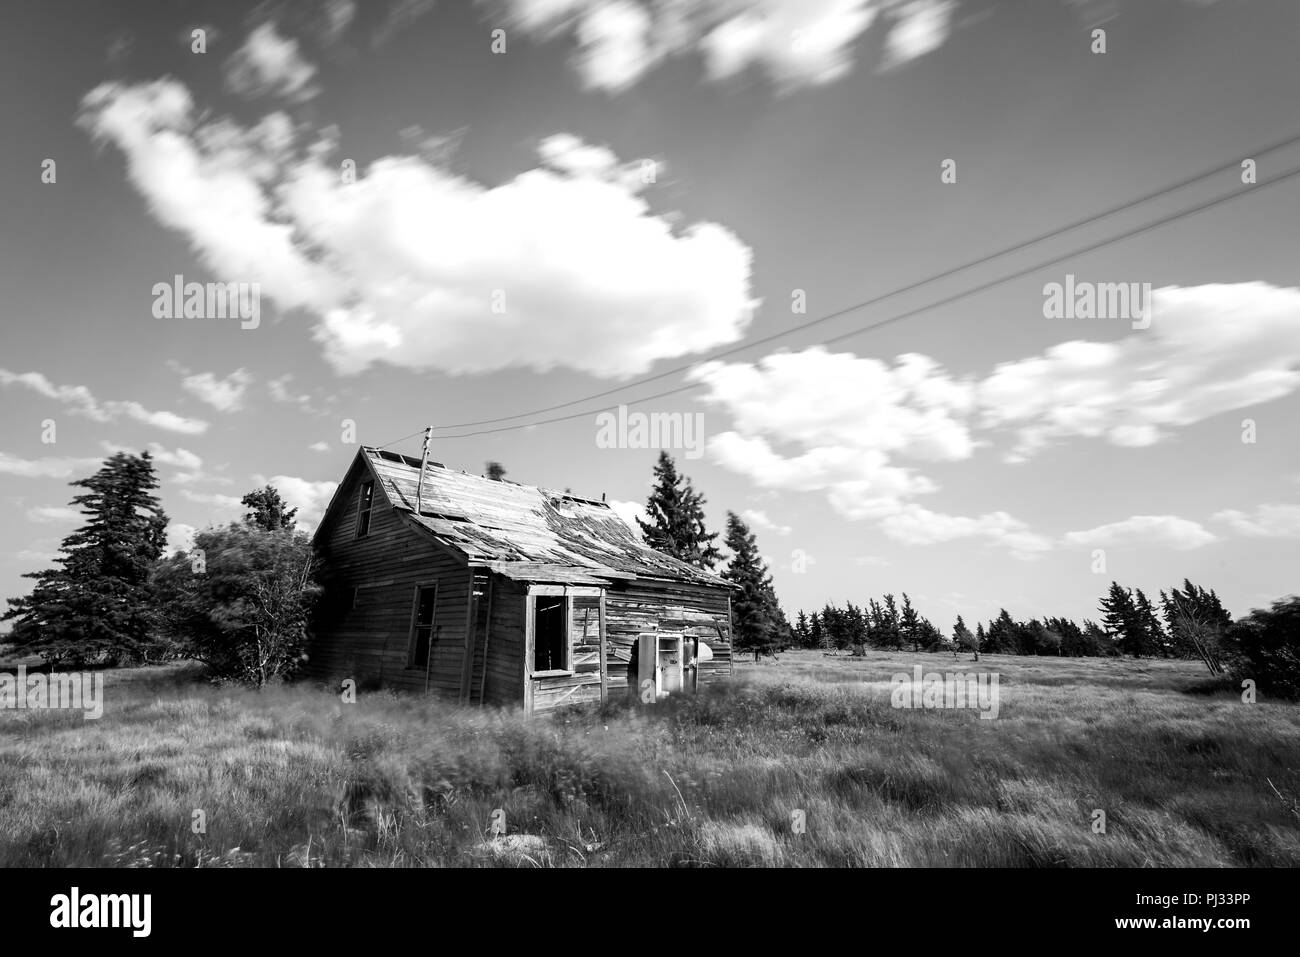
424	464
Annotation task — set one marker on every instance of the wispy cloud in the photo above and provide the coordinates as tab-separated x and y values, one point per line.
47	467
270	64
1157	531
224	395
1210	349
1266	521
280	392
79	400
179	458
225	502
53	514
756	518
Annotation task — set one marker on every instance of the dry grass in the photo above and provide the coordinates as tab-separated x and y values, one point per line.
293	777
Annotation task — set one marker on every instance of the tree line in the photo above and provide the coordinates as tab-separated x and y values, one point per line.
243	597
1131	624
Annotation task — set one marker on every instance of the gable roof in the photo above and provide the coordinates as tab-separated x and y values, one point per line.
523	532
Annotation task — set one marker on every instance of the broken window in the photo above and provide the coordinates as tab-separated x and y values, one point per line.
422	626
365	505
550	636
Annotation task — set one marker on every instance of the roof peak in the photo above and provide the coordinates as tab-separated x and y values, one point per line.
413	462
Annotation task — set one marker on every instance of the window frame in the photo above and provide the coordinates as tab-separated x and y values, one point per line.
412	632
565	604
365	510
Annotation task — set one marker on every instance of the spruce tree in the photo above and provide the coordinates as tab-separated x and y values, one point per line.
909	624
676	525
1155	642
817	633
756	616
1123	621
801	629
961	636
96	608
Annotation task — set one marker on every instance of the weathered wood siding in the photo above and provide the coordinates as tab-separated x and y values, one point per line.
552	691
503	680
666	608
371	641
476	644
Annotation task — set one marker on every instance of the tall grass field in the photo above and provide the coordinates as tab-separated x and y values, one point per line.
801	762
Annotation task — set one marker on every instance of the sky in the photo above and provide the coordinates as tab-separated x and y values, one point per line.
458	214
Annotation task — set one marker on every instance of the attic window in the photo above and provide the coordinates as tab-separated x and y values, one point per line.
365	506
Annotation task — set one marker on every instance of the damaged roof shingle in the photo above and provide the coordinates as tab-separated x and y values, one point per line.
524	532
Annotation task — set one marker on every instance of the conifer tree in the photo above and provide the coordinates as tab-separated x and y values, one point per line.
756	616
96	608
676	525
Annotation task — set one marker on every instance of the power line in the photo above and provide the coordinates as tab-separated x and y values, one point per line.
917	284
1092	247
402	439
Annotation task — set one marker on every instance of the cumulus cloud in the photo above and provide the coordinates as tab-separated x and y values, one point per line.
411	265
270	64
858	429
319	447
79	400
1158	531
913	525
224	395
1210	349
839	423
1267	521
794	42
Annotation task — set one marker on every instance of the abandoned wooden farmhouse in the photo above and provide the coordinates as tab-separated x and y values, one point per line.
491	592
